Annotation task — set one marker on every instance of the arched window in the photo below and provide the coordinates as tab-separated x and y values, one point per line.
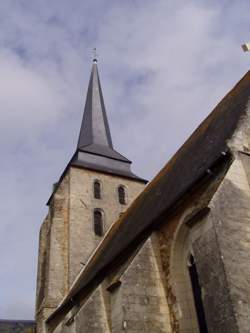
98	222
97	189
187	287
197	295
121	195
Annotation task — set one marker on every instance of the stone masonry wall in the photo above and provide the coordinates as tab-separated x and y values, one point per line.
155	293
82	240
231	219
217	302
190	231
42	262
68	239
94	316
52	282
219	243
139	303
58	253
42	272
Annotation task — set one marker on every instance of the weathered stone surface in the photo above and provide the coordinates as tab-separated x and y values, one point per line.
152	291
67	237
93	316
155	294
82	240
139	304
216	295
231	220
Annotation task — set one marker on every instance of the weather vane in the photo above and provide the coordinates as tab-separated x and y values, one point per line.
95	55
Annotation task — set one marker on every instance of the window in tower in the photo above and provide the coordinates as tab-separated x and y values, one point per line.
97	189
122	195
98	222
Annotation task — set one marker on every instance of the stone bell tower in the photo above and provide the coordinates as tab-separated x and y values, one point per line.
96	187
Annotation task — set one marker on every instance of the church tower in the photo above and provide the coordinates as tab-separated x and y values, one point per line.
95	188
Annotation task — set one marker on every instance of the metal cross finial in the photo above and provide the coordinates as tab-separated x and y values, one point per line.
94	55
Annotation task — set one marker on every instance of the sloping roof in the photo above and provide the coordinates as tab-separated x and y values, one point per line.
95	134
109	169
199	153
105	151
95	127
17	326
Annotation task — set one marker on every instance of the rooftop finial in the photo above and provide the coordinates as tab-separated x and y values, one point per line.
94	55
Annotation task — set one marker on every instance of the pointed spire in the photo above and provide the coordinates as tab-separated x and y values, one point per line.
95	127
95	148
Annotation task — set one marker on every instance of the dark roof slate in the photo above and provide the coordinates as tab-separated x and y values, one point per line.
95	137
199	153
123	173
95	127
105	151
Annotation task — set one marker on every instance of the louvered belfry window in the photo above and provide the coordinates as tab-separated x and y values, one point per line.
97	189
98	222
121	195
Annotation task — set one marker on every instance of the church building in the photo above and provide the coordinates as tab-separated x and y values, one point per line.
119	256
94	190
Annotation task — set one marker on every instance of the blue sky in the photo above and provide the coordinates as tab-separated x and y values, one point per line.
163	66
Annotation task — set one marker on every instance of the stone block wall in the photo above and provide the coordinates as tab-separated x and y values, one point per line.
139	304
230	209
190	231
52	279
218	307
219	243
67	237
94	316
154	293
42	267
82	240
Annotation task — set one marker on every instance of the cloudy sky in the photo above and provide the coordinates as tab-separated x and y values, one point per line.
163	66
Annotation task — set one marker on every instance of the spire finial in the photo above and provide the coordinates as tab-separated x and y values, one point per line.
95	55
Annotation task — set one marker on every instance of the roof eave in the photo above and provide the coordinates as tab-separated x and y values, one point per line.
100	169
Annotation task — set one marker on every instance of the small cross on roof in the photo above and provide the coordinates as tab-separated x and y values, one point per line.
95	55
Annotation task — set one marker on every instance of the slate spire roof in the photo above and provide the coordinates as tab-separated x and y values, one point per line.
95	148
95	127
95	134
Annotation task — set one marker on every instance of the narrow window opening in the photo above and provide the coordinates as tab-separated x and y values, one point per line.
98	223
97	189
122	195
197	296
